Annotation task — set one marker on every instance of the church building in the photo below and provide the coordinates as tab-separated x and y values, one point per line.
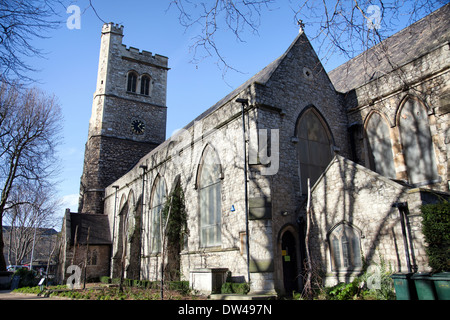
295	162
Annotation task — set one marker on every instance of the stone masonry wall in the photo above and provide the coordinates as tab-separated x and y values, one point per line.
276	102
177	160
112	147
425	79
299	83
353	194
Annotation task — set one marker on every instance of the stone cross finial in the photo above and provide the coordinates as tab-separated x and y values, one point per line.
301	25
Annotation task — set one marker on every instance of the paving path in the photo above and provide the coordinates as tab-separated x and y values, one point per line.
9	295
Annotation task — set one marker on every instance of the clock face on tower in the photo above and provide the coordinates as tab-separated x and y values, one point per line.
137	127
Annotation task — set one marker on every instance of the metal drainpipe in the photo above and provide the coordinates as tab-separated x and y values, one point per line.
114	230
410	238
244	102
141	222
401	206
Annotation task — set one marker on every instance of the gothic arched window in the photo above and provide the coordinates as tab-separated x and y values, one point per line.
313	148
158	197
379	147
131	81
145	85
345	248
417	143
210	199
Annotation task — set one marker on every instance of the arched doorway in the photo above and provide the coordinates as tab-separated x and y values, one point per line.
289	262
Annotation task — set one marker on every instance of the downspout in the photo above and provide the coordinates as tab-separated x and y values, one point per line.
410	238
113	231
244	102
141	222
402	209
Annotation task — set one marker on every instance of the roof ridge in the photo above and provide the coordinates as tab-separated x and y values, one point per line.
261	77
363	60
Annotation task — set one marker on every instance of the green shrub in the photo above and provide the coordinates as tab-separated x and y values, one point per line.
128	282
105	279
363	287
436	229
226	288
381	276
115	280
237	288
137	283
27	278
33	290
181	286
343	291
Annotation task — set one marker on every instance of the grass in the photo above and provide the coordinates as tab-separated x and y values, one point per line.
97	291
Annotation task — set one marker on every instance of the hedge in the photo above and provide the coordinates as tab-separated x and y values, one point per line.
436	229
172	285
238	288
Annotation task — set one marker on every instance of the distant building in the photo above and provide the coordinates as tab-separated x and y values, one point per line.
371	137
46	246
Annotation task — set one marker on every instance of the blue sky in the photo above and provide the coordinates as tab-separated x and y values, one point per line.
69	69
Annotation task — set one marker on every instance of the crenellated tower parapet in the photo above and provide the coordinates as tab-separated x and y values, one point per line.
128	115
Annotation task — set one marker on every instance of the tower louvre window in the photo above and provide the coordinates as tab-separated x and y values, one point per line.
131	82
145	85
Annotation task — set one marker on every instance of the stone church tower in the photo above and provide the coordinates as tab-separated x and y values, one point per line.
128	115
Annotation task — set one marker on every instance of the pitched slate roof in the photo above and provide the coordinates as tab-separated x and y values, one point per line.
261	78
408	44
41	231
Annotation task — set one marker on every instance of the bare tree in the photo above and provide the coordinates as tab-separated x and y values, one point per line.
21	22
31	211
238	17
351	27
30	125
336	27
